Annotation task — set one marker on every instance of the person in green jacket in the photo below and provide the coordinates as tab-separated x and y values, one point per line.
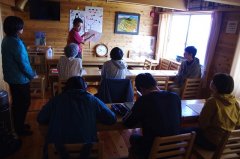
220	113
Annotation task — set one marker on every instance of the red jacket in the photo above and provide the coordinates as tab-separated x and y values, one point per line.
74	37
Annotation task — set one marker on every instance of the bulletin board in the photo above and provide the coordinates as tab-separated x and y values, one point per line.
77	14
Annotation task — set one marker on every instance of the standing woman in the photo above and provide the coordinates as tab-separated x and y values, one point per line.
17	72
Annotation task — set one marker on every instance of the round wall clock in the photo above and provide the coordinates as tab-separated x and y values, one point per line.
101	50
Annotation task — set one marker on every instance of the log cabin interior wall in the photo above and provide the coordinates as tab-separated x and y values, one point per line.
226	45
5	10
57	31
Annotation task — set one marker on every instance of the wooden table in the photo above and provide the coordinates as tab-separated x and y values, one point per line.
98	61
190	114
93	74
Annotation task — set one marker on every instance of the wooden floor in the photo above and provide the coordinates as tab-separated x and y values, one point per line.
115	142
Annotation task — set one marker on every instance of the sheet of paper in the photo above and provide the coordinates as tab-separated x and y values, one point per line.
196	107
93	36
84	72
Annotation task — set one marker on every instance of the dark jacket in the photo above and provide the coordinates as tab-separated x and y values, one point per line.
159	114
115	91
72	117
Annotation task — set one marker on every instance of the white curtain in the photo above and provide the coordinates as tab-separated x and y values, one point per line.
212	42
162	38
235	70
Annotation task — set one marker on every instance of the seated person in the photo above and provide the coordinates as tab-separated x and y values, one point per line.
190	68
72	116
158	112
68	65
116	67
220	113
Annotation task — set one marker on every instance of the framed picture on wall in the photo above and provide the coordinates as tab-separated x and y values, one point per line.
126	23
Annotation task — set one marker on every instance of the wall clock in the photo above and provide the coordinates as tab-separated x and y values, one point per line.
101	50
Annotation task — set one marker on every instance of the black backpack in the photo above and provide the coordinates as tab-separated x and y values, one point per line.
8	143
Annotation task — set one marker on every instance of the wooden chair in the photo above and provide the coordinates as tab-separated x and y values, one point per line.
58	51
147	65
191	88
232	147
229	148
174	66
61	85
162	82
164	64
38	63
37	86
177	146
74	151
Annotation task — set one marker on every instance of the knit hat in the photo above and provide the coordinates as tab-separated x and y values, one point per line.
71	50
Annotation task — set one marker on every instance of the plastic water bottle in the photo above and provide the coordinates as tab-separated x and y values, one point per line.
49	52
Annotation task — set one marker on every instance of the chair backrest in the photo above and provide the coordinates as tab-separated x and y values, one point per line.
232	146
57	51
202	153
61	85
95	151
115	91
147	65
37	58
164	64
173	66
162	82
191	88
172	146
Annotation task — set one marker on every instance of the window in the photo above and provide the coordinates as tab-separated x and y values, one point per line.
188	30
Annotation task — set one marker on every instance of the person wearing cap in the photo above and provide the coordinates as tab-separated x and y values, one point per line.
189	68
116	67
68	65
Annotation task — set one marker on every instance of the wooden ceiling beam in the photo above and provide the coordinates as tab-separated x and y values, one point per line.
229	2
171	4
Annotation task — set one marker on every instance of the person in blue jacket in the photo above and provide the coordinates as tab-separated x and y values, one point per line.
72	115
17	71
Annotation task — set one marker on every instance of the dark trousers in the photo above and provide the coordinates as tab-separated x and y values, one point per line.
139	146
21	101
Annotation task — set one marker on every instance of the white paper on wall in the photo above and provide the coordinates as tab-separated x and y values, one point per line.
77	14
93	36
93	18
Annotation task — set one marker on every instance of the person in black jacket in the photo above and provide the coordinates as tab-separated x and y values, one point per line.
158	112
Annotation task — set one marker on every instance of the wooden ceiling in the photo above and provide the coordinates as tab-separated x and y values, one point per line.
171	4
229	2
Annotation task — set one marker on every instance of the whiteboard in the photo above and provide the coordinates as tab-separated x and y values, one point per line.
76	14
93	18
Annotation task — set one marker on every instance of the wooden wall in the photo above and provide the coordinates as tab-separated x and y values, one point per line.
225	49
5	10
57	31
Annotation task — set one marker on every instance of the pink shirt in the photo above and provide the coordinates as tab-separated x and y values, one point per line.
74	37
